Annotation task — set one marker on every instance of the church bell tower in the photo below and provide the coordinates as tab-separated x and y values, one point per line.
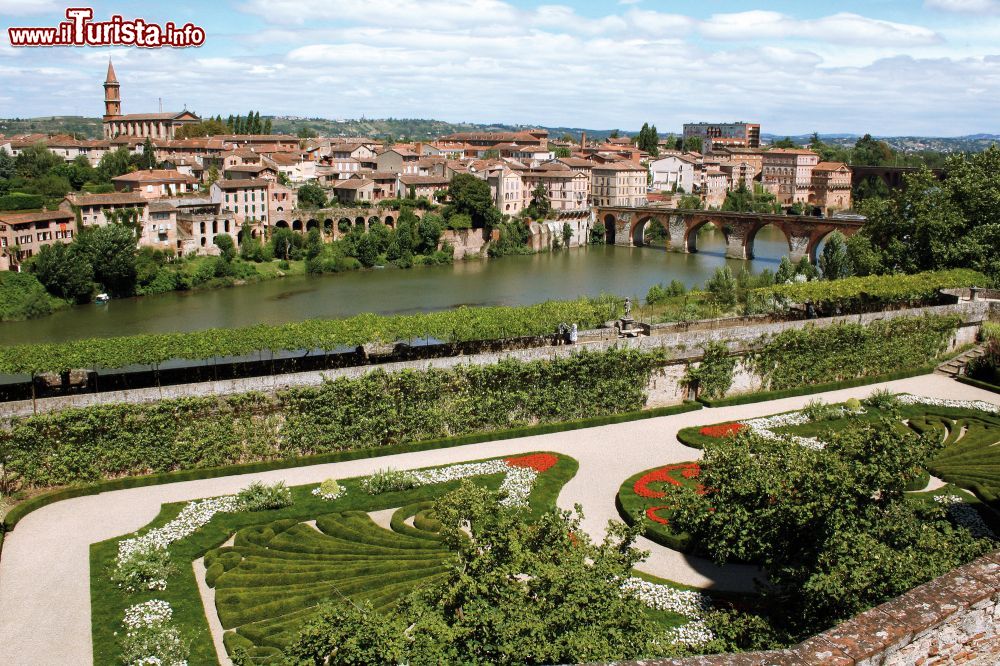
112	96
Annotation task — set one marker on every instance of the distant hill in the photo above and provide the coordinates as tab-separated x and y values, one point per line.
423	129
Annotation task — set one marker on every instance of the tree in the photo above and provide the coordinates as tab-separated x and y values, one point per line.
540	206
835	262
692	144
806	268
267	126
227	248
869	151
614	134
567	234
35	161
7	165
691	202
757	200
722	287
64	271
148	158
311	195
114	163
284	241
111	251
471	196
784	143
832	526
515	591
785	272
429	232
562	152
648	140
367	251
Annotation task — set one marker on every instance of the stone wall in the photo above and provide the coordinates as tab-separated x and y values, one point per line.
954	619
465	242
683	346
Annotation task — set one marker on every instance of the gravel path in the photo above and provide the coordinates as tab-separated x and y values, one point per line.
44	571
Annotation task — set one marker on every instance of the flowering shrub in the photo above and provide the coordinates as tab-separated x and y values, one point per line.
764	427
540	462
883	399
663	475
388	480
192	516
259	496
979	405
329	490
723	430
150	639
143	569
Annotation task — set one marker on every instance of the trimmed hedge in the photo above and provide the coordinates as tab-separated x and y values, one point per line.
44	499
986	386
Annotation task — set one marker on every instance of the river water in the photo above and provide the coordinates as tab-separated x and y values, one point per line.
562	275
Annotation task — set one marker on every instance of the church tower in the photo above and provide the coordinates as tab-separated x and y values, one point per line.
112	96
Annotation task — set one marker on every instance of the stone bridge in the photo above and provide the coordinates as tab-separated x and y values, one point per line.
627	226
336	222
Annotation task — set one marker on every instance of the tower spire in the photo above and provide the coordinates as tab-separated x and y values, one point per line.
111	73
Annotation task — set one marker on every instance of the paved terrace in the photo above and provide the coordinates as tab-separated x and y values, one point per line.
44	571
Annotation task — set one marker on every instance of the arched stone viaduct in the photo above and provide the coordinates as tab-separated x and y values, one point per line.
627	226
336	222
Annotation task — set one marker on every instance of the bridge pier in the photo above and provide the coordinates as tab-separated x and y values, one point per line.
677	230
623	230
799	247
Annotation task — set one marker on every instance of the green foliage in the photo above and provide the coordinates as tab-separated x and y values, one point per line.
722	287
330	488
226	246
817	410
853	404
648	140
65	271
311	195
259	496
471	196
111	251
756	200
932	224
21	201
22	296
598	233
160	641
540	206
882	399
873	292
971	457
714	375
832	526
388	480
514	591
660	292
375	410
835	260
844	351
691	202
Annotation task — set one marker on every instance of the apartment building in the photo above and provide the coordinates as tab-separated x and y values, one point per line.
618	184
156	183
22	235
831	186
246	199
738	133
674	172
787	173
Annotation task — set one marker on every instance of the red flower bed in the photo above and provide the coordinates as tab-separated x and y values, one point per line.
539	462
663	475
723	430
652	515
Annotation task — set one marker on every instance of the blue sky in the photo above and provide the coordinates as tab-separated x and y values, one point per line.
886	66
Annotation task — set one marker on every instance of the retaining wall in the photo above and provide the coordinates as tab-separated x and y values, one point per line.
683	347
954	619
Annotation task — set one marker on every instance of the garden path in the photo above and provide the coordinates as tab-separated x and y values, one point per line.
44	571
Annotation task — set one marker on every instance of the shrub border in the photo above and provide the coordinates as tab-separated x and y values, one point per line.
50	497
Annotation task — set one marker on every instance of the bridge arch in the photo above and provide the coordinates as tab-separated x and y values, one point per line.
312	224
281	224
641	229
749	242
344	225
691	234
359	221
296	225
610	223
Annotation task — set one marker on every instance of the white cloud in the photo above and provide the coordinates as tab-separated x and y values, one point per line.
845	28
428	14
25	7
964	6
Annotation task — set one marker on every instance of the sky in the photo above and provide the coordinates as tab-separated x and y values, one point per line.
889	67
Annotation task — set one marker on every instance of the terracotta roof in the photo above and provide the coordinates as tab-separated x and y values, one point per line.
286	159
38	216
791	151
829	166
111	78
576	162
166	115
249	168
239	184
618	166
109	199
409	179
352	184
155	175
161	207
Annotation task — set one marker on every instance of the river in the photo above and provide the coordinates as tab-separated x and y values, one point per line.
561	275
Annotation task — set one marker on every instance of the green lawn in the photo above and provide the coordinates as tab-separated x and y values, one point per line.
279	568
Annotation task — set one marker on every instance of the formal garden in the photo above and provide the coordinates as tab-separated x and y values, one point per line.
844	505
416	566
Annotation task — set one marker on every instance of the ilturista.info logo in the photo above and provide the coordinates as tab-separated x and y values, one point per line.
79	29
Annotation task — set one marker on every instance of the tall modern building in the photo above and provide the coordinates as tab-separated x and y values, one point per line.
153	125
745	135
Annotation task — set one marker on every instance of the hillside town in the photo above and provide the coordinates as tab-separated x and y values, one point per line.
246	184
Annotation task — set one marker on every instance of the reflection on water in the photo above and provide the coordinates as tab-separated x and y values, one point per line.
509	281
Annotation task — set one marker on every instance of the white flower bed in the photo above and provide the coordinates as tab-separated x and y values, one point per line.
516	485
980	405
965	516
688	603
193	516
764	426
148	614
